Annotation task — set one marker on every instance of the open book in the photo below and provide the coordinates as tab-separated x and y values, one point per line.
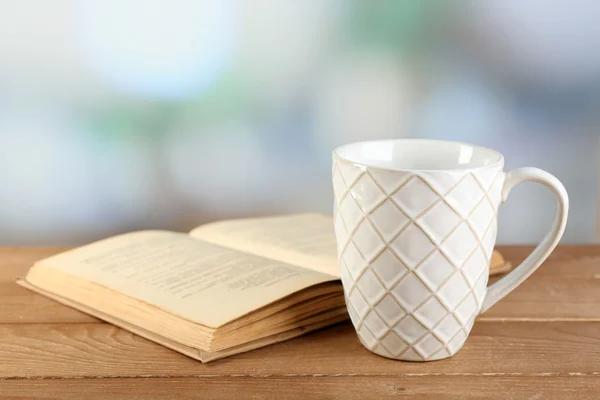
224	288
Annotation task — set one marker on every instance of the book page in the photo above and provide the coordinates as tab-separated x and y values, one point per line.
200	281
305	240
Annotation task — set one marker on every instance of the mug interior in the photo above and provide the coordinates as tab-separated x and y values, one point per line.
418	154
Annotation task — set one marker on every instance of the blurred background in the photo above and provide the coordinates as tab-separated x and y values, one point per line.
132	114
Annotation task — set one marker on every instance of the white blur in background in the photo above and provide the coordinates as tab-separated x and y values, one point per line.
123	115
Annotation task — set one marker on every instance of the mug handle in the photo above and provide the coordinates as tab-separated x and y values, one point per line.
507	284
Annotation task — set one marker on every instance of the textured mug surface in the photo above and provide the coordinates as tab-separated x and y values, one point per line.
416	224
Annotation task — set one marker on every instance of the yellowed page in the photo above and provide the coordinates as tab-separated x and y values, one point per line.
305	240
200	281
333	316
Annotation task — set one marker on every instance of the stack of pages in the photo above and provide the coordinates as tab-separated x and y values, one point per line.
222	289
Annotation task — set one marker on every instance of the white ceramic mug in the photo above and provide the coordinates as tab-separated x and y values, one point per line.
416	223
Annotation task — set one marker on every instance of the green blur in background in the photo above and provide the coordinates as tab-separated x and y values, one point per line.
124	115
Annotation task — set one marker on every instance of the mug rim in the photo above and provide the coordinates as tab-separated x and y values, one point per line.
499	157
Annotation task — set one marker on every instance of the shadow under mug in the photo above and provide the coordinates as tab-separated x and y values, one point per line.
415	223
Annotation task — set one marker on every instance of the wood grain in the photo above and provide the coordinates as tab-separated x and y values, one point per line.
540	342
563	288
311	387
546	298
101	350
516	254
547	295
19	305
15	261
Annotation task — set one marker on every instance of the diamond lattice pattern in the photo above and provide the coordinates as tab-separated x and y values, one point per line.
414	254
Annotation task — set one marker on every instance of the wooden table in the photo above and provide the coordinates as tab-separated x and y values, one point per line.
541	342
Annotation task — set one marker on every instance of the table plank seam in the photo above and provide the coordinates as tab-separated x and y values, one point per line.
267	376
480	319
540	341
529	319
55	323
